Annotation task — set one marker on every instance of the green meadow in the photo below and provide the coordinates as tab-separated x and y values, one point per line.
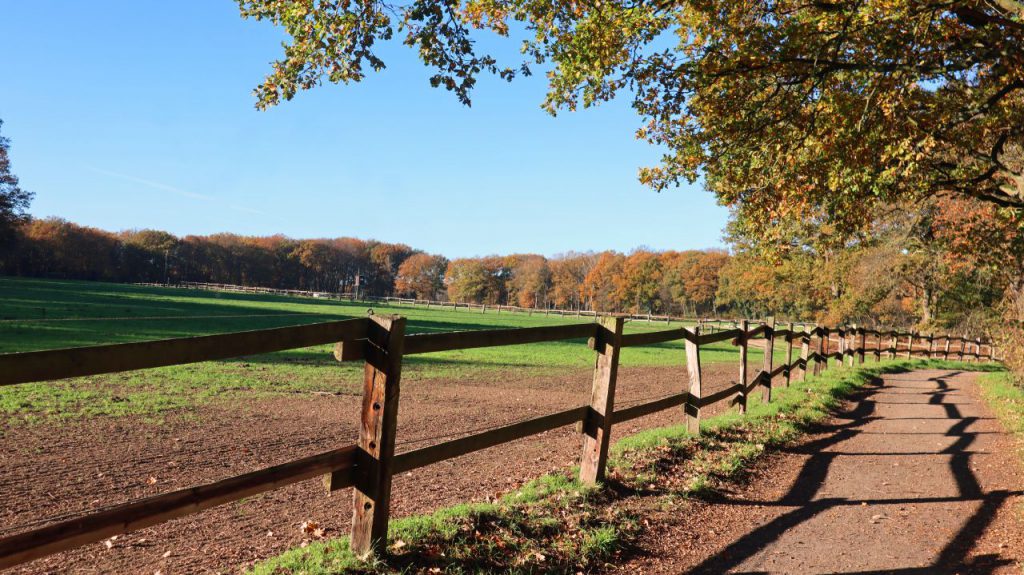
40	314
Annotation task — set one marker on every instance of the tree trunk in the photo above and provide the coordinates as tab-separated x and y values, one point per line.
926	305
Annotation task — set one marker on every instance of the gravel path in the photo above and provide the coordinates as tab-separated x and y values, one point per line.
917	477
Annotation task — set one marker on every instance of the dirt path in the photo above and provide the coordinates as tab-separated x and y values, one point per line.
916	478
56	470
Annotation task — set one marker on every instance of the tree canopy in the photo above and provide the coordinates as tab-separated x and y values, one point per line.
14	201
814	111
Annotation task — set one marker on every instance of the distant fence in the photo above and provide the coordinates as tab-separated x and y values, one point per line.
455	306
381	343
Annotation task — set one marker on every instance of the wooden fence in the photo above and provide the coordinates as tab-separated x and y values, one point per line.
428	304
381	343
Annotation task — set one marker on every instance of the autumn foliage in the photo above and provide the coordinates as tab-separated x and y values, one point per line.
952	264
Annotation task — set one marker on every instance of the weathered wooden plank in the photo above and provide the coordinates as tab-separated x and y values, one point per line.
434	342
705	339
694	403
28	545
635	339
819	357
597	435
464	445
825	351
93	360
741	397
805	349
727	393
761	330
769	351
371	498
851	345
789	354
635	411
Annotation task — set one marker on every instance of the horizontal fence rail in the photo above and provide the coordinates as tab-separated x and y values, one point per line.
94	360
381	342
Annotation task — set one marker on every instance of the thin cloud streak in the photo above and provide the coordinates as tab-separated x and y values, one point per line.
151	184
171	189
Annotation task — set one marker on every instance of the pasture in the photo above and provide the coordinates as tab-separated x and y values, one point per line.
50	314
72	446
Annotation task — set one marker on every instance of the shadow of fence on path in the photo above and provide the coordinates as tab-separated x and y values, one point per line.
811	478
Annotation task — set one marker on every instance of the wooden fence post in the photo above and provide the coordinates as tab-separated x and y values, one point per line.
822	338
598	427
741	398
945	351
878	346
769	353
805	348
931	345
963	344
849	345
379	417
692	406
910	346
894	341
826	339
789	354
977	352
863	345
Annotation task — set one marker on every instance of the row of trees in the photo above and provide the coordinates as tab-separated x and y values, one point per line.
643	281
952	263
57	248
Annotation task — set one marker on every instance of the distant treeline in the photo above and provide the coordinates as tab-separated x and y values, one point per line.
642	281
950	276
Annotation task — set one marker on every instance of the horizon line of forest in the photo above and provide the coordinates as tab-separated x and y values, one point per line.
691	282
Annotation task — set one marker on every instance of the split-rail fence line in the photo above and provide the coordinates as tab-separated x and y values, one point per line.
381	343
441	305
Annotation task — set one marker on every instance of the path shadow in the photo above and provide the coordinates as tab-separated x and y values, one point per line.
812	475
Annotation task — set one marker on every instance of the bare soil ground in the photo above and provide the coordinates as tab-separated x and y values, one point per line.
53	471
917	477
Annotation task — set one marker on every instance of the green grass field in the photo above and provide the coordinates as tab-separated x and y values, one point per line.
49	314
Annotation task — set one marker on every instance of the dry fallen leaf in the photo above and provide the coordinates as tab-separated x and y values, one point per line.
309	526
151	480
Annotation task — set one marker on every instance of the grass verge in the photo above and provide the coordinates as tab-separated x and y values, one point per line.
557	525
1005	395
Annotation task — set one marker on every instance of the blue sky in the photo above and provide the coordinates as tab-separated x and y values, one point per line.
139	114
